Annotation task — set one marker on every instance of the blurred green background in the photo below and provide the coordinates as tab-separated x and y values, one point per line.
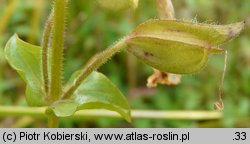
91	29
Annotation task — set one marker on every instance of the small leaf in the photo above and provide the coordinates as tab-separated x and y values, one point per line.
98	92
177	46
25	59
64	108
118	4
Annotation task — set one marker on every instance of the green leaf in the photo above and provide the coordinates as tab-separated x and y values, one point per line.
178	46
25	59
96	92
118	4
64	108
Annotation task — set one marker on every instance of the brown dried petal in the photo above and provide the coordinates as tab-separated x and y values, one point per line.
163	78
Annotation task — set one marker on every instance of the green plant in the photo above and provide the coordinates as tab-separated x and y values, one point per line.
175	46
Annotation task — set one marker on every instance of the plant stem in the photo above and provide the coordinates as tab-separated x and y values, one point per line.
45	46
223	76
147	114
17	111
94	63
57	50
165	9
154	114
53	120
219	105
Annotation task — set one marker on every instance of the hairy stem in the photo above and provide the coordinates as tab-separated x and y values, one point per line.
57	50
94	63
45	45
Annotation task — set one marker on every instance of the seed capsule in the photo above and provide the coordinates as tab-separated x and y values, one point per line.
178	46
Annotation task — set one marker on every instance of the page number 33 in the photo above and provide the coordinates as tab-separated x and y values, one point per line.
240	136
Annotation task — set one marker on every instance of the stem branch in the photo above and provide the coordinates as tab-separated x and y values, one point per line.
45	46
94	63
